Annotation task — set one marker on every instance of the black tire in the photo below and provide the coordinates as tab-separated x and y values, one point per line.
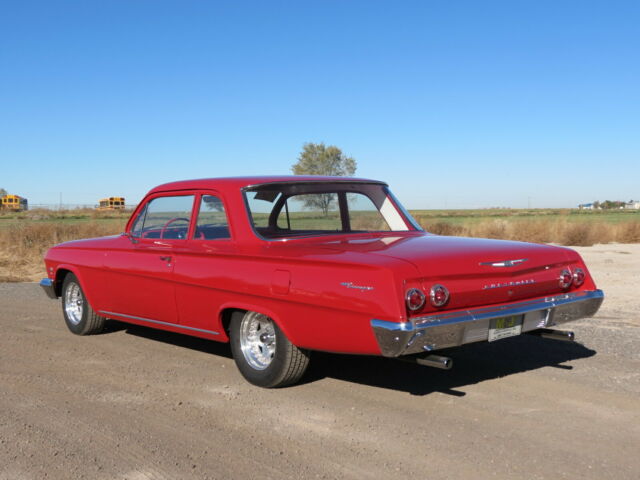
271	362
80	318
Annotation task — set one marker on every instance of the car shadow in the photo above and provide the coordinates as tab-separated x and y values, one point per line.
170	338
473	363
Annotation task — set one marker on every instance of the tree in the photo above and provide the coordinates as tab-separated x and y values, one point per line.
319	159
2	192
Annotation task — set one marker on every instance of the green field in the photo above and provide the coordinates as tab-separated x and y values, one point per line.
571	215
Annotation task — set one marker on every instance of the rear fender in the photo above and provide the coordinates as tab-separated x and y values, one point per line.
260	309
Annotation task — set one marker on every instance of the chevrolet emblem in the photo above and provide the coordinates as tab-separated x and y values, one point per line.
505	263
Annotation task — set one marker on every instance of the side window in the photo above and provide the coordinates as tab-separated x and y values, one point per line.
164	217
212	220
260	205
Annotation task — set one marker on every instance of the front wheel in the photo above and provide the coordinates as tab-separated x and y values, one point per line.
78	314
262	352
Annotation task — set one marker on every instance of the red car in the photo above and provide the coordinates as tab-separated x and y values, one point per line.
282	266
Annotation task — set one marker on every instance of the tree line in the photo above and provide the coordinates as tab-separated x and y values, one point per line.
610	204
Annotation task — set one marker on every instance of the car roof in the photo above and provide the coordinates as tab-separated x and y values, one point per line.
234	183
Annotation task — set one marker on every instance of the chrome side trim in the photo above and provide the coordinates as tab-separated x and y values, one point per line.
443	330
49	288
158	322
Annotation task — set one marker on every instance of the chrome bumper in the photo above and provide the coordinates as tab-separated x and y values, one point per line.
49	288
443	330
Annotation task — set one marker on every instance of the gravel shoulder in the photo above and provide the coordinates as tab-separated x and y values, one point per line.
141	404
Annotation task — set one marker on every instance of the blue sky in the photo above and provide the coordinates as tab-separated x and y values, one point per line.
456	104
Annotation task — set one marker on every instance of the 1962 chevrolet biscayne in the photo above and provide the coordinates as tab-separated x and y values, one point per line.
281	266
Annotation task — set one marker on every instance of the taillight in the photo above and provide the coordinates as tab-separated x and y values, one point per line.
415	299
578	277
565	279
438	295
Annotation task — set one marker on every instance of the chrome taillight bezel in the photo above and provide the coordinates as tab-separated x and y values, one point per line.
408	295
579	277
561	279
432	295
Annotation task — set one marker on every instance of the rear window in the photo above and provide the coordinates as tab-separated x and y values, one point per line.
300	209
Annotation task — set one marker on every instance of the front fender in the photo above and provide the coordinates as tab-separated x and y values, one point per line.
89	282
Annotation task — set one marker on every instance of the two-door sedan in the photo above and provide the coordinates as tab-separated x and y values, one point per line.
282	266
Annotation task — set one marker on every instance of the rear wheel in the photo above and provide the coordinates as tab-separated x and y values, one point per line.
262	352
78	314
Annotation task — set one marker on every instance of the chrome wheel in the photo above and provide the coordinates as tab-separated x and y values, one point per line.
263	353
73	303
257	340
80	318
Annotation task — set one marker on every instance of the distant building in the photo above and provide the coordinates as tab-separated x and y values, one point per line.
14	203
632	205
586	206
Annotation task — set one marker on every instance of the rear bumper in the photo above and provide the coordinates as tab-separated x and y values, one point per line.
443	330
49	288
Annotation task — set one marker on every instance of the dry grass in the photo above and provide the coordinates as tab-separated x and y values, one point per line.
23	245
25	237
560	231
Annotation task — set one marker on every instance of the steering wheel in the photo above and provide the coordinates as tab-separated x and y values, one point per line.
169	222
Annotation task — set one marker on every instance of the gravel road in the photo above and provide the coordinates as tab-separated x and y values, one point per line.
135	403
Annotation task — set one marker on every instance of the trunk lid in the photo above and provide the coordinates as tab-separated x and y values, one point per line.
475	271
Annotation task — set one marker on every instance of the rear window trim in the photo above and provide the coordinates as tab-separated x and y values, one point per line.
410	223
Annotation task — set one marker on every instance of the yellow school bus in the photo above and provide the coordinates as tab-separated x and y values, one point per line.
15	203
111	203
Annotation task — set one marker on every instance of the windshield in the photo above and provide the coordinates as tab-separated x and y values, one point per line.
302	209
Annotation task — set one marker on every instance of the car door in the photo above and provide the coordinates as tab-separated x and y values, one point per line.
140	274
205	266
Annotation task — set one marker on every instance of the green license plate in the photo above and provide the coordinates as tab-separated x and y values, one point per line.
504	327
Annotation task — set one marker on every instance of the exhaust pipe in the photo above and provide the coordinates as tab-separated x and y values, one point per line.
436	361
553	334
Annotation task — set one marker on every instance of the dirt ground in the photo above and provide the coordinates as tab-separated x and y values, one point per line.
137	404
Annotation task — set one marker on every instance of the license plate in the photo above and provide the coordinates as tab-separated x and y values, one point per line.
504	327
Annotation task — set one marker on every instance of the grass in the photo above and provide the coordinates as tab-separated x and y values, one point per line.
572	215
561	226
558	231
25	236
81	215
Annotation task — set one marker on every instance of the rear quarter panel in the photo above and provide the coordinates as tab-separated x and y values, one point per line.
307	297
